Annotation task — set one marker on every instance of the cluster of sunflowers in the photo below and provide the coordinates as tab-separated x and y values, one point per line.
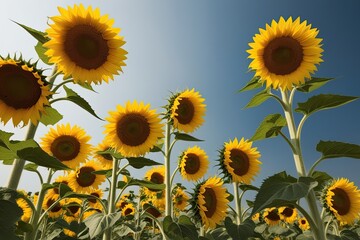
86	49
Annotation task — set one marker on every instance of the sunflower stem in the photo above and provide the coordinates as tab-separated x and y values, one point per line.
237	202
167	170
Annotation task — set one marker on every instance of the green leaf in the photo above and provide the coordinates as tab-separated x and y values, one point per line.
158	147
148	184
40	50
7	155
240	232
269	127
75	98
31	167
50	117
140	162
38	35
86	86
322	178
333	149
280	189
111	152
259	98
107	172
254	83
313	84
24	227
99	222
347	234
187	227
186	137
322	102
246	187
10	213
64	189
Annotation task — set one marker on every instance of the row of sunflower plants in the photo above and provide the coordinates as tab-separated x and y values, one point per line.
84	47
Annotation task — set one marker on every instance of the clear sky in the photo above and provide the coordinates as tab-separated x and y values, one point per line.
174	45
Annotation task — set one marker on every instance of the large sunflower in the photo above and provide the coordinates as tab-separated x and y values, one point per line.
342	199
193	163
239	161
84	45
210	203
285	53
23	92
134	129
187	110
68	144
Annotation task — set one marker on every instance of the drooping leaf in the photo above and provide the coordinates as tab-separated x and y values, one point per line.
185	137
269	127
50	117
334	149
254	83
313	84
246	187
347	234
40	50
140	162
258	98
322	102
241	232
24	227
38	35
100	222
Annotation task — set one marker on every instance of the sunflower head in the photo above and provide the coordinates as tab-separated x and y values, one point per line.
106	160
24	93
288	214
95	194
83	44
73	208
193	163
239	161
133	129
180	199
186	110
155	175
50	198
342	199
303	224
271	216
285	53
27	211
128	210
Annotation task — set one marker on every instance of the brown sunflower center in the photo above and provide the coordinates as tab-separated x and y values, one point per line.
185	111
133	129
85	177
50	202
287	212
341	201
73	208
157	178
18	88
192	164
93	199
128	211
273	216
239	162
86	46
303	221
283	55
210	202
65	148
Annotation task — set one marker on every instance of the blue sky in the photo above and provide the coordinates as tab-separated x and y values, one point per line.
174	45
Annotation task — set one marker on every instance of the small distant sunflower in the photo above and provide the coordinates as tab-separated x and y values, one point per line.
288	214
239	161
187	110
129	209
27	211
193	163
49	200
271	216
154	175
84	45
209	203
105	159
68	144
285	53
342	199
303	224
134	129
83	180
73	209
180	199
23	92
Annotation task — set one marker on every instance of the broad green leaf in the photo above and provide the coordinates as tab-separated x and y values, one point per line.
140	162
99	222
32	167
64	189
10	213
347	234
241	232
40	50
322	102
185	137
322	178
50	117
171	229
38	35
7	155
280	189
75	98
313	84
5	138
254	83
24	227
187	227
246	187
259	98
333	149
269	127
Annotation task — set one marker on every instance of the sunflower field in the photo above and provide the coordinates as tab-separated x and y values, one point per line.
90	191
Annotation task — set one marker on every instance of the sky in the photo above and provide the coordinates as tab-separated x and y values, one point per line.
175	45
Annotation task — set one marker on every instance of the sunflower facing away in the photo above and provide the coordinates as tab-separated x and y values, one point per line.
68	144
134	129
23	92
193	163
209	203
342	199
187	110
239	161
83	44
285	53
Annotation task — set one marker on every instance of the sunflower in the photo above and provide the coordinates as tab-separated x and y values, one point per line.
69	233
83	180
342	199
134	129
155	175
303	224
256	217
73	208
271	216
239	161
27	211
23	92
288	214
106	160
193	163
180	199
50	198
209	202
68	144
285	53
83	44
129	209
96	193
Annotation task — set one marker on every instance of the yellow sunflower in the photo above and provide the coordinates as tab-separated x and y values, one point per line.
288	214
27	211
96	193
50	198
23	92
271	216
73	208
83	44
129	209
187	110
155	175
134	129
69	233
83	180
106	160
285	53
256	217
210	202
68	144
180	199
239	161
342	199
193	163
303	224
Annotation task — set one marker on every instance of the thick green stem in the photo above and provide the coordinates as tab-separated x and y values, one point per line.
168	199
237	202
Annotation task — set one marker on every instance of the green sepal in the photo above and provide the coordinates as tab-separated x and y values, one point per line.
269	127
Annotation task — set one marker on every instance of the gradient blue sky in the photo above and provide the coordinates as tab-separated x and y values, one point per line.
174	45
